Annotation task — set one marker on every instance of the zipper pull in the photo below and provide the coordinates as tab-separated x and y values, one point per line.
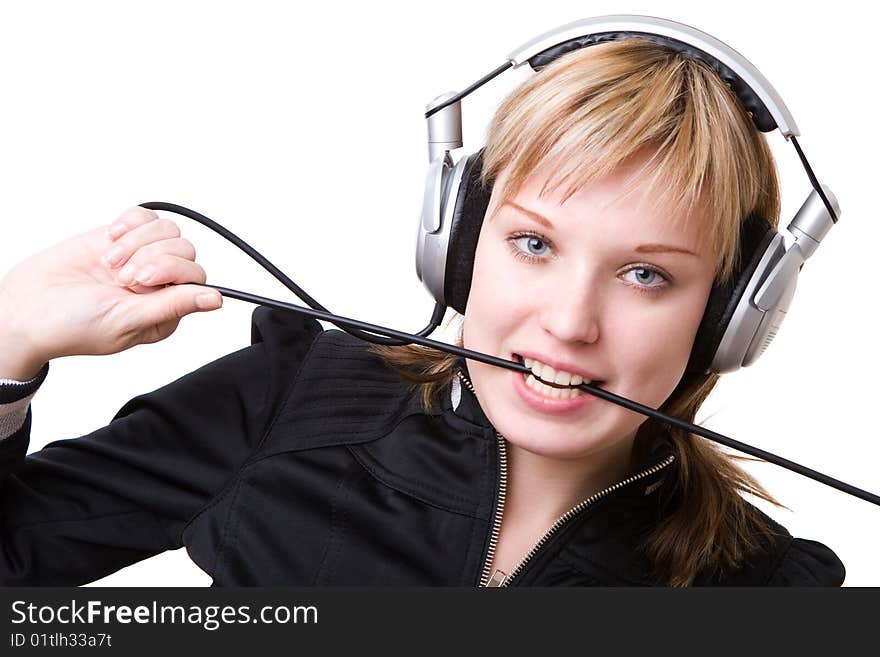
497	578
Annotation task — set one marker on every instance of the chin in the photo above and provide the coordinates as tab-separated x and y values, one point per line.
545	439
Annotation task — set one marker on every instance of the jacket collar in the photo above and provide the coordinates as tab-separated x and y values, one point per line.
463	402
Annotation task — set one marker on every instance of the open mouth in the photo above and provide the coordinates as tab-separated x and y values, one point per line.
553	384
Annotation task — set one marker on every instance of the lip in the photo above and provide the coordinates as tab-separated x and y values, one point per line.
549	405
558	365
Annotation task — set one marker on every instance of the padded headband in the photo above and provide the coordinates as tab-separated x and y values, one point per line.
761	116
754	90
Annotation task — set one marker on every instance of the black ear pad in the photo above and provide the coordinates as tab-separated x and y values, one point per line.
471	202
755	235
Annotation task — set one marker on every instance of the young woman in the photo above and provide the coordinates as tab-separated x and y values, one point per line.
622	178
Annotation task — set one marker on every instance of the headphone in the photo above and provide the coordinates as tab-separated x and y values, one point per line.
741	317
744	313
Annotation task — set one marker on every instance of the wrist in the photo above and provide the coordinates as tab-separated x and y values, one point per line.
19	369
17	360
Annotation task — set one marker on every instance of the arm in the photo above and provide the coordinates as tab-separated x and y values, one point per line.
82	508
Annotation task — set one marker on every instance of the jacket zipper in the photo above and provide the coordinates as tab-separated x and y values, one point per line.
500	579
499	512
575	510
502	494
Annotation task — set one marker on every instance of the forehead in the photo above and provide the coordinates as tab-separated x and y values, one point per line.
621	205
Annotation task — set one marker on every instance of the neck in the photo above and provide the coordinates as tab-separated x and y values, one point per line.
541	488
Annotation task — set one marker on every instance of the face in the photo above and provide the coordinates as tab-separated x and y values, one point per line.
601	287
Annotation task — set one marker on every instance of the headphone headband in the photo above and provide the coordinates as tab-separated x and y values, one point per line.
756	93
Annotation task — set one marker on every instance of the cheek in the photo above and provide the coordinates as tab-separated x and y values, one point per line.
495	304
653	352
660	354
501	281
650	373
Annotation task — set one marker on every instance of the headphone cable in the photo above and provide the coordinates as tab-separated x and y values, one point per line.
363	330
436	317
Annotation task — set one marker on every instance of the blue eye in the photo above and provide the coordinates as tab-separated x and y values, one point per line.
647	279
536	246
530	244
644	276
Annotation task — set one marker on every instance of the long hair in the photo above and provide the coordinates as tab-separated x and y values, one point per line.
583	116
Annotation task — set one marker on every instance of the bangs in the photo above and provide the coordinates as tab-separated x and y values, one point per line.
597	109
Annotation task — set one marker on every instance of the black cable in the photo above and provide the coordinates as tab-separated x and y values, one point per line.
436	318
476	85
363	329
813	180
348	323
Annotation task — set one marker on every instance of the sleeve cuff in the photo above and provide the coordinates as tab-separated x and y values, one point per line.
15	397
12	390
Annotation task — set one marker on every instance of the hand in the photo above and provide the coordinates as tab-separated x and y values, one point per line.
70	300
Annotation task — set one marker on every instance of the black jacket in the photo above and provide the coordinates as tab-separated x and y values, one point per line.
301	460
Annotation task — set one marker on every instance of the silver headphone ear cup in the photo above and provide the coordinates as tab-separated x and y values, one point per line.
776	280
750	330
442	187
770	325
432	237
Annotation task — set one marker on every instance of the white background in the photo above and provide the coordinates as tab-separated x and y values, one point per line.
301	130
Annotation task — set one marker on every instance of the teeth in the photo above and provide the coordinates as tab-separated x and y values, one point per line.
547	373
556	393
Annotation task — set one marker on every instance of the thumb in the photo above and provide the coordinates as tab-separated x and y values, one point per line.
174	302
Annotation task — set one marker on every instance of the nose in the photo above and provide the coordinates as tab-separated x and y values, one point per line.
571	310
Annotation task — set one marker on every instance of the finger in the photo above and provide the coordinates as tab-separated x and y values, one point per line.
126	245
150	255
179	246
131	218
170	304
163	269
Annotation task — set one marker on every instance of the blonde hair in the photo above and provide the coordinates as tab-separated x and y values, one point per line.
583	116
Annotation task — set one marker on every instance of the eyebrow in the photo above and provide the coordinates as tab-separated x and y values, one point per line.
663	248
642	248
544	221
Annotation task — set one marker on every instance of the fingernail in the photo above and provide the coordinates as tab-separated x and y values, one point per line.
208	301
145	274
116	230
114	256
